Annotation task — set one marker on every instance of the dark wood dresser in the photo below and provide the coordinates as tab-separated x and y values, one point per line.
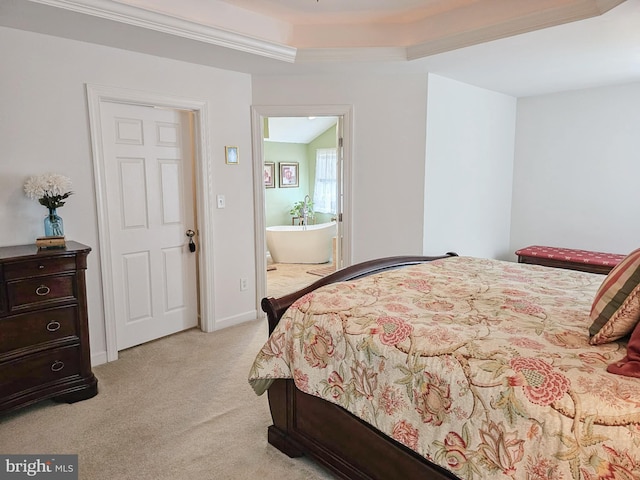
44	334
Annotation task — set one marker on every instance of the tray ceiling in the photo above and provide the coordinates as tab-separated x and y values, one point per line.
518	47
281	28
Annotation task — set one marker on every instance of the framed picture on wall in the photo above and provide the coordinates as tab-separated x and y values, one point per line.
231	155
269	175
288	174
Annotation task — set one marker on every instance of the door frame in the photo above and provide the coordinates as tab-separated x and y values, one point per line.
204	201
258	114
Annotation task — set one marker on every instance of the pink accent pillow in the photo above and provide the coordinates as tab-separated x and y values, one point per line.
630	364
616	307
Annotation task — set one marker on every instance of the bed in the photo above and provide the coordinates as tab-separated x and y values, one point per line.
453	368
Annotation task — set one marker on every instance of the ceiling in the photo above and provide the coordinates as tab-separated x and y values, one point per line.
297	129
517	47
309	12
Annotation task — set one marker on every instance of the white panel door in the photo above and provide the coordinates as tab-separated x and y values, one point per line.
148	168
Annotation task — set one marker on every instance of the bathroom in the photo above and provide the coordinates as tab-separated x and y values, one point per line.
299	156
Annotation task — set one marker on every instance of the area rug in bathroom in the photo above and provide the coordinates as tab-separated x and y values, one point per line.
322	271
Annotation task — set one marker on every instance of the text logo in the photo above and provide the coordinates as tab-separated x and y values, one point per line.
49	467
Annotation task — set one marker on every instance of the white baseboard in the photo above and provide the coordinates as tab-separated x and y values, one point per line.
98	358
236	319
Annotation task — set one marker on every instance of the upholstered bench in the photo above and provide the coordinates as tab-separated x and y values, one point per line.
583	260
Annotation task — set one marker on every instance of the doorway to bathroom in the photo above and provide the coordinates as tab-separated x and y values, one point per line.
303	195
300	172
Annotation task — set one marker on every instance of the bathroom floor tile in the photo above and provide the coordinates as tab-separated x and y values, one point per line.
289	277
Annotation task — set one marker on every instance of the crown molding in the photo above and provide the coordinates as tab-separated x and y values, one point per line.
355	54
175	26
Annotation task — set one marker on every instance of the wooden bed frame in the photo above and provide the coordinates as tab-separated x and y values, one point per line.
308	425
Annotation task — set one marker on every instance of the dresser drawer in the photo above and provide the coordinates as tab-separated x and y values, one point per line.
39	266
33	329
39	370
36	292
3	301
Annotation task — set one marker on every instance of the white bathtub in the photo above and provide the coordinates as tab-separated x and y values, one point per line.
298	244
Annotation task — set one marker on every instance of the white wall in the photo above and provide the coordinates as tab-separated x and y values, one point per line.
44	127
388	151
278	200
574	180
469	169
577	170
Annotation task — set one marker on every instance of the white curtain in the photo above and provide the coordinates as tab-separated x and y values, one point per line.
324	192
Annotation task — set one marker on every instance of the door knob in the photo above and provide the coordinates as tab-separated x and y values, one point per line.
192	246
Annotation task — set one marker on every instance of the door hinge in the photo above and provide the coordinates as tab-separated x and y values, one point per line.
340	142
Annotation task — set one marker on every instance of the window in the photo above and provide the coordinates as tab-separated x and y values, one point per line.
324	192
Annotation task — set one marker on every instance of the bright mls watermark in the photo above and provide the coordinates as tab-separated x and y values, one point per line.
49	467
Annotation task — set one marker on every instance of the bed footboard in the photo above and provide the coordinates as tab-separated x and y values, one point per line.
350	448
307	425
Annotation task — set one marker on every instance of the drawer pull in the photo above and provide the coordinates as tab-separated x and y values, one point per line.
57	366
52	326
42	290
40	267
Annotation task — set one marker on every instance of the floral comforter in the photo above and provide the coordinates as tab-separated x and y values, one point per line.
481	366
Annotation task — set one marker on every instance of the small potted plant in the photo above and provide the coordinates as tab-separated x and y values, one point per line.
297	211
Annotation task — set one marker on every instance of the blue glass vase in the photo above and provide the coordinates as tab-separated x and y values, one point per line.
53	226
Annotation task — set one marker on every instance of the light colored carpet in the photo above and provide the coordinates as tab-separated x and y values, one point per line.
179	408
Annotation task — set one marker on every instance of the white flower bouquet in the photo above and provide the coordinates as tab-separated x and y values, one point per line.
50	189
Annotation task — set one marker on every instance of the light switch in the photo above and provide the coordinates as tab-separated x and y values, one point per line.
221	201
